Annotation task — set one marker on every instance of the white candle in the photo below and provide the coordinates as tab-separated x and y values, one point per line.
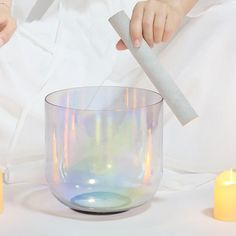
225	196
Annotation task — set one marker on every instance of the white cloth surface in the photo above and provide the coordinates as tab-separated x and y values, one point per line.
30	210
73	45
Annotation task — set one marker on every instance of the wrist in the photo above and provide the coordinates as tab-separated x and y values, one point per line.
176	5
184	6
6	4
181	6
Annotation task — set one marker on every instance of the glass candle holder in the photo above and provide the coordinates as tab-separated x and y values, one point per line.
104	147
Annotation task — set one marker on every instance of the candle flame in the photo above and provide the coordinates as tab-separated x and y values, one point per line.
231	178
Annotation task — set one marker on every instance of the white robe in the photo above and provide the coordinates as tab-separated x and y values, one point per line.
73	45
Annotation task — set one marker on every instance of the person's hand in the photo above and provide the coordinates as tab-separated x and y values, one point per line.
7	24
154	20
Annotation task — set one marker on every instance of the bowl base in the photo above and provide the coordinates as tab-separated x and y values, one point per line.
100	203
98	213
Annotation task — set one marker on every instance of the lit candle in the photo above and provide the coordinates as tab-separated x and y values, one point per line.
1	191
225	196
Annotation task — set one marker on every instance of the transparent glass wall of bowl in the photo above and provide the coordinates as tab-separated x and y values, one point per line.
104	147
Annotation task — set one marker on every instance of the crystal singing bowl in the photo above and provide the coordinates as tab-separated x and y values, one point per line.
104	147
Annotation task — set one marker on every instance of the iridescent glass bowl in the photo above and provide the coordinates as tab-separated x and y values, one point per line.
104	147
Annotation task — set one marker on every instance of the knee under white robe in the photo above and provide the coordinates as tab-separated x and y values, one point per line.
73	45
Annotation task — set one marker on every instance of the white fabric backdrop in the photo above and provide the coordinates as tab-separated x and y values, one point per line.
73	45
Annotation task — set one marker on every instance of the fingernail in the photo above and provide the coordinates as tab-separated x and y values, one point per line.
1	42
137	43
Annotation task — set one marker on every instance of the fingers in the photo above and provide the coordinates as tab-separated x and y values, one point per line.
159	27
148	20
155	21
172	23
136	24
6	30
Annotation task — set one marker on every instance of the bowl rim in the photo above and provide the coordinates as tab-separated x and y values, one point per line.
47	102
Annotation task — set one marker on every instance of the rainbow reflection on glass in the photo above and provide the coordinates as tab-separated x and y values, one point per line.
104	147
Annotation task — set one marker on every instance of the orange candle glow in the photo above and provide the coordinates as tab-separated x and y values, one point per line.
225	196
